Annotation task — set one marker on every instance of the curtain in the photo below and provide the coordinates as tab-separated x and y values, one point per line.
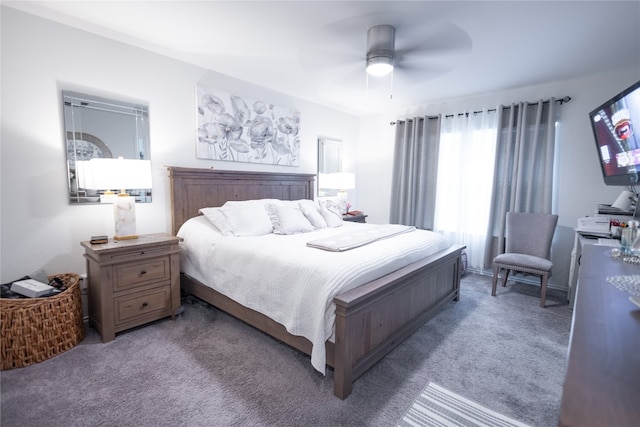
465	180
524	167
459	175
413	185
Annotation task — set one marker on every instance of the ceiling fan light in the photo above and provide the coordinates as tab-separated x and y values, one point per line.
379	66
380	49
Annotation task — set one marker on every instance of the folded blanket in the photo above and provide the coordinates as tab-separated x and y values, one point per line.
353	239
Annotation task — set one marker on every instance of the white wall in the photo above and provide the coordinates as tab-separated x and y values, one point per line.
580	184
40	58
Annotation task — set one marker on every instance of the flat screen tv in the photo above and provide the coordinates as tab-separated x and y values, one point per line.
614	128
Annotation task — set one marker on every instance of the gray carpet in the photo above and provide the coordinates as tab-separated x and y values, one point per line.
207	368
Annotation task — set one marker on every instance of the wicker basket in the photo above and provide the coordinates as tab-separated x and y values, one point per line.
36	329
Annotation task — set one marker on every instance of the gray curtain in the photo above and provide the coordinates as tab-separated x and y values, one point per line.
415	167
523	179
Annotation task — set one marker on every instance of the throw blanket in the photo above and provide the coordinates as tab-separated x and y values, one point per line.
354	239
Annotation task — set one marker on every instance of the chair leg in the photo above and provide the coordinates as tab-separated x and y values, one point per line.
506	276
543	288
496	271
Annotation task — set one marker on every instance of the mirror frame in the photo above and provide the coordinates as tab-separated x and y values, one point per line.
84	144
329	161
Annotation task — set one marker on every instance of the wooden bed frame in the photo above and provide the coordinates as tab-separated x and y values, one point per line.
370	320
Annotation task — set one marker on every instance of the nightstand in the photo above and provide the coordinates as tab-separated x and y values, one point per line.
132	282
355	218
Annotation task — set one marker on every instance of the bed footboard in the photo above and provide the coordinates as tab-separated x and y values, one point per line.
373	319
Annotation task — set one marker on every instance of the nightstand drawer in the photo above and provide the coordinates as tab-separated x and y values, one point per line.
139	273
128	307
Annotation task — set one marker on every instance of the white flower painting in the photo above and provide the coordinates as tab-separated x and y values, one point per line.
236	129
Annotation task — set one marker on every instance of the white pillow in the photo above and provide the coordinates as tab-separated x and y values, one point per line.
287	219
311	210
247	218
217	219
196	227
331	213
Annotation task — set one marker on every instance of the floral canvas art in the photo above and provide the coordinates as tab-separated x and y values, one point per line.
236	129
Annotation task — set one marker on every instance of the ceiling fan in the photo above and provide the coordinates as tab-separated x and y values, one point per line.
411	49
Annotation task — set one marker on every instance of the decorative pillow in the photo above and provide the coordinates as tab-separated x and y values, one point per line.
217	219
287	219
331	213
310	209
198	226
247	218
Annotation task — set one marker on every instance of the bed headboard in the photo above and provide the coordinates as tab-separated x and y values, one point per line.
192	189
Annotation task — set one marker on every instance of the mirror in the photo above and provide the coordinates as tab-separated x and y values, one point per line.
97	127
329	161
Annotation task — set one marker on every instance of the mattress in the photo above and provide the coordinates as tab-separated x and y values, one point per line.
290	282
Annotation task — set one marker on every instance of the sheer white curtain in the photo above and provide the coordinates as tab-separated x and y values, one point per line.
466	163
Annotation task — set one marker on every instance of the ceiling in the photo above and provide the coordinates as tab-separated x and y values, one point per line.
315	50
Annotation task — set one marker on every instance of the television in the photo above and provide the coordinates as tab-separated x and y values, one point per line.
618	144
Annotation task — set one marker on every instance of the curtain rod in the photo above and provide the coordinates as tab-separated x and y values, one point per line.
563	100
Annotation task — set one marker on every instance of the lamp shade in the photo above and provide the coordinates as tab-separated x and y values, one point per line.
327	180
337	181
113	174
345	181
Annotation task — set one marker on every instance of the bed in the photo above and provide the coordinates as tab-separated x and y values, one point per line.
370	319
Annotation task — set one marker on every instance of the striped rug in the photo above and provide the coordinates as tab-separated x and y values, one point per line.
438	407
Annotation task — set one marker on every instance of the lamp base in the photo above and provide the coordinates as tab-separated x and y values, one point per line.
124	212
342	201
133	236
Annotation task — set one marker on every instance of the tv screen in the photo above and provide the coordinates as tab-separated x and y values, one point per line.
617	142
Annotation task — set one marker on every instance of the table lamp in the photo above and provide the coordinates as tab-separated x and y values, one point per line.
114	174
340	181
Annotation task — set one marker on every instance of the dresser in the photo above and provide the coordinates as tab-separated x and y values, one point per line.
602	386
132	282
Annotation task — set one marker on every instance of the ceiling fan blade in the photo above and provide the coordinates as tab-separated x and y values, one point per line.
443	43
410	76
324	58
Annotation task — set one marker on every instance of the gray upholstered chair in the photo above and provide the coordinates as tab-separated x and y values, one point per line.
527	248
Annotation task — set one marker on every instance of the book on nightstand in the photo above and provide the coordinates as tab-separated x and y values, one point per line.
31	288
98	240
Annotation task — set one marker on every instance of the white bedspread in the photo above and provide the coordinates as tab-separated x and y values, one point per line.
293	284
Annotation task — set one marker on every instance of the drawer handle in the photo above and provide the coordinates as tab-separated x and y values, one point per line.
143	272
144	304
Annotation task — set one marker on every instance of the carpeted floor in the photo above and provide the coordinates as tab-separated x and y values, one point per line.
207	368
